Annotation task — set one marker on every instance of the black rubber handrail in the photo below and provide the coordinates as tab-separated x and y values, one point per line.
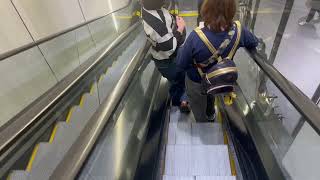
23	48
308	109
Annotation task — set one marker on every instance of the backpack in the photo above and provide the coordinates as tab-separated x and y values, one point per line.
219	75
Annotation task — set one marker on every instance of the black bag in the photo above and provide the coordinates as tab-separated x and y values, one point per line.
220	74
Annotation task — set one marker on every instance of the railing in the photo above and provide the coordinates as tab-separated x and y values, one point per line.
25	119
299	100
70	166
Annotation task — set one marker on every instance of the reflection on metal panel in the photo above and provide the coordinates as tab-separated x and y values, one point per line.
24	78
61	54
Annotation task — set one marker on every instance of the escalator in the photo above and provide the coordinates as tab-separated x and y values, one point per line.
115	121
65	132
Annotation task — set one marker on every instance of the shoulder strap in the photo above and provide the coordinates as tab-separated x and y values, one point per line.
206	41
236	44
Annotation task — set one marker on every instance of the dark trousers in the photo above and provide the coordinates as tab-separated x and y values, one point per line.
199	19
167	68
202	105
311	14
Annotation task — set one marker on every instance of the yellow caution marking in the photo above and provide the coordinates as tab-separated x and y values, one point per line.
9	177
69	115
54	132
219	117
231	159
100	78
93	86
229	98
189	14
33	156
138	13
226	142
82	100
123	17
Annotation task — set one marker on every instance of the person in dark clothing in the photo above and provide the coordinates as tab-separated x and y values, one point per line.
218	19
166	34
315	8
199	19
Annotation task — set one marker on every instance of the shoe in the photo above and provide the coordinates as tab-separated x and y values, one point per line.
211	118
303	21
184	107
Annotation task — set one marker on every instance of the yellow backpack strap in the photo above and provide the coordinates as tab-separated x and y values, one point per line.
236	44
206	41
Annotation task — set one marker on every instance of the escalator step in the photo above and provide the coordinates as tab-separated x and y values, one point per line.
83	115
207	134
19	175
179	133
197	160
178	178
47	164
199	178
195	133
40	151
215	178
60	136
66	134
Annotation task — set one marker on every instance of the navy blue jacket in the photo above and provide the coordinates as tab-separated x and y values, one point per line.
195	49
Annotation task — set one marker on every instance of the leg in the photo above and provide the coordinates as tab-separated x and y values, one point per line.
198	101
199	19
211	113
167	68
311	15
305	20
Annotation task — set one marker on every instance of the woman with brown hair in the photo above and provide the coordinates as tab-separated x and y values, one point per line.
223	34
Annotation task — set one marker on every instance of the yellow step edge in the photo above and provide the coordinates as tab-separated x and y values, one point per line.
8	177
231	159
54	132
69	115
100	78
83	98
226	142
123	17
92	88
33	156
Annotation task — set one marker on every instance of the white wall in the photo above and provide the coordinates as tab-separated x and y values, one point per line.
46	17
26	76
96	8
12	31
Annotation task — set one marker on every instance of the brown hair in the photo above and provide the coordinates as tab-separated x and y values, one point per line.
152	4
218	14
